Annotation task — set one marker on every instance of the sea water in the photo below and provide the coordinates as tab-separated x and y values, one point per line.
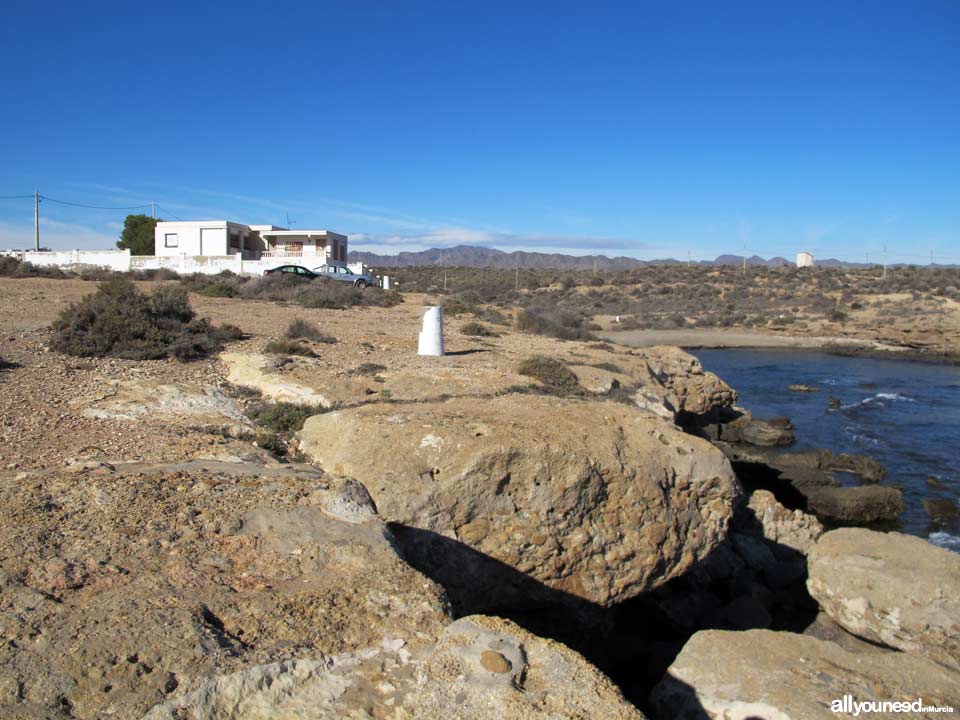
904	413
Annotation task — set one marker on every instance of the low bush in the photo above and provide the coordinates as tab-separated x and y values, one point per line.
301	329
288	347
317	293
552	373
12	267
120	321
228	333
225	284
283	417
367	369
476	329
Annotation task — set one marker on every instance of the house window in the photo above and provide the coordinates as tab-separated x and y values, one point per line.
171	240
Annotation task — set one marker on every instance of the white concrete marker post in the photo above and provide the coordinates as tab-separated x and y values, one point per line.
431	334
386	282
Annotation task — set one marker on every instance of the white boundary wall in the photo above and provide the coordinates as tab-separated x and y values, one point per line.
112	259
123	261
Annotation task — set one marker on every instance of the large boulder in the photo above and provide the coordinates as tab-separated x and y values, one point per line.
786	530
696	393
503	496
890	588
125	587
727	675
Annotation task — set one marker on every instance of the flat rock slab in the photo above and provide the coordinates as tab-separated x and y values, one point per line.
487	668
596	501
783	676
890	588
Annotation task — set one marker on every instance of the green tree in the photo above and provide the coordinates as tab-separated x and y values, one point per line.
138	234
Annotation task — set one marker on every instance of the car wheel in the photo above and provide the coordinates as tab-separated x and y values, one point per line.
361	284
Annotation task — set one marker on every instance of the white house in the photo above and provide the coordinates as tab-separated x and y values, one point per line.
221	238
804	259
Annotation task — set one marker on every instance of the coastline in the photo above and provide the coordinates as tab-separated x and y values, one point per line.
694	338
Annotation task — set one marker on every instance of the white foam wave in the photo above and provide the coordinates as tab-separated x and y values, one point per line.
945	540
879	399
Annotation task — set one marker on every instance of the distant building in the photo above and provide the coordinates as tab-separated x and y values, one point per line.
221	238
804	259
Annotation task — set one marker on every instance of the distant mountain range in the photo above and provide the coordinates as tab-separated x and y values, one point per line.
472	256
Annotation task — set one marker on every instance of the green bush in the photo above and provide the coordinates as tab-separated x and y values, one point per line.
120	321
300	328
283	417
552	373
288	347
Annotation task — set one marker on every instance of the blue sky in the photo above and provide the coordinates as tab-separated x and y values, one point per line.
641	129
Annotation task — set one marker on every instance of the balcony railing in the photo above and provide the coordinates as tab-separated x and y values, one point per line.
281	253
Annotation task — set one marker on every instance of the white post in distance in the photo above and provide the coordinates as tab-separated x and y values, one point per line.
386	282
431	334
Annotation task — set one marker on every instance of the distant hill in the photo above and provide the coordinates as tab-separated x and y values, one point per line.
472	256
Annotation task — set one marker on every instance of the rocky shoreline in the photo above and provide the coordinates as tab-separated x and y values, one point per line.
463	545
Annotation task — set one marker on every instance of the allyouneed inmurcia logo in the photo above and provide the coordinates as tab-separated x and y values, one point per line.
849	706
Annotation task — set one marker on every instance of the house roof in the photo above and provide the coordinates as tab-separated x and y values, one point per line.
293	233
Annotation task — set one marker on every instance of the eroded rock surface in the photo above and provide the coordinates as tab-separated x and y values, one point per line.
597	501
890	588
163	402
122	589
487	668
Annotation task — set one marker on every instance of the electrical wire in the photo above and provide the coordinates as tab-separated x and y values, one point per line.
14	197
93	207
167	212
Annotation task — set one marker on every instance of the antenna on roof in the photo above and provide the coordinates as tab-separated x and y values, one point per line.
290	223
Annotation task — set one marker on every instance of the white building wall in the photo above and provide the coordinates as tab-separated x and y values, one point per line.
804	259
192	238
118	260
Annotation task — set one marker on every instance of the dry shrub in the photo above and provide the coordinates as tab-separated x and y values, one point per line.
556	377
120	321
301	329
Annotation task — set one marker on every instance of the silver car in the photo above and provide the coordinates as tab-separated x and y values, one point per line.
345	274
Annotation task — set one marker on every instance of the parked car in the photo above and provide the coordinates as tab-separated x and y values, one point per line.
345	274
297	270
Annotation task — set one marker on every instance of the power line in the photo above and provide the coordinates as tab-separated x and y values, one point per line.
167	212
93	207
14	197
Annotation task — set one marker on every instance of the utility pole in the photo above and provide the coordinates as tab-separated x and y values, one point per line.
744	258
36	220
153	209
518	272
884	261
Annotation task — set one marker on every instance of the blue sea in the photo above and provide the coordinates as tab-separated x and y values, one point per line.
905	414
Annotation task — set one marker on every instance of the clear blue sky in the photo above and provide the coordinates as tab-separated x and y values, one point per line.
631	128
